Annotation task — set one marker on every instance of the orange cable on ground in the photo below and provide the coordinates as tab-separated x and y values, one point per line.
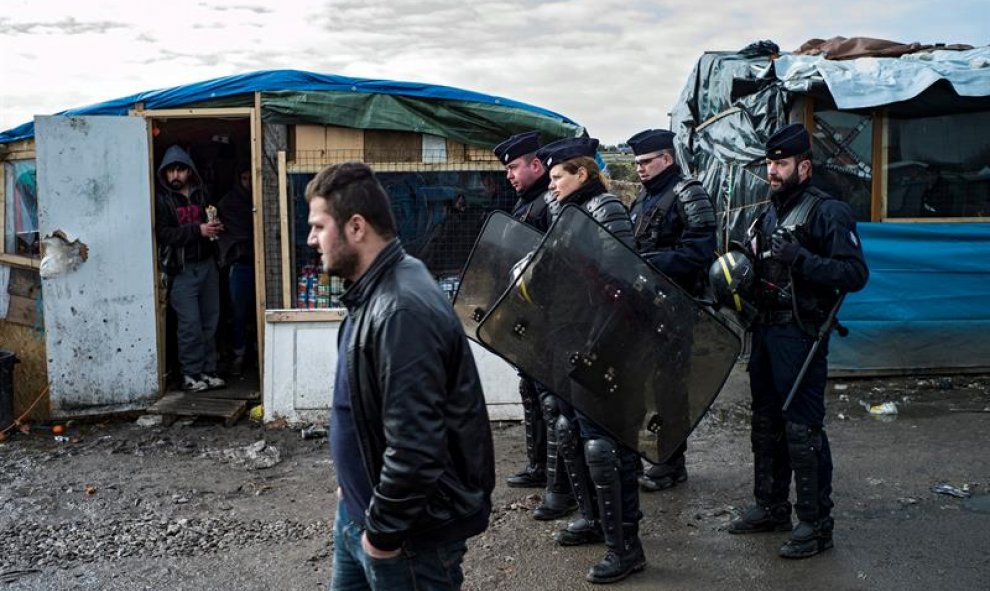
34	403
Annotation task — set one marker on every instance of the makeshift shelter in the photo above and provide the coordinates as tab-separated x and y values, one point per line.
900	133
83	182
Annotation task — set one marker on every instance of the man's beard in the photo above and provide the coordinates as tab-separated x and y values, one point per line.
346	262
176	185
786	184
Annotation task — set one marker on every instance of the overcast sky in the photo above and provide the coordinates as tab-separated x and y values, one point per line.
614	66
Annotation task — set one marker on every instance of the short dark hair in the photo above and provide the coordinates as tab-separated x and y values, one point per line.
351	188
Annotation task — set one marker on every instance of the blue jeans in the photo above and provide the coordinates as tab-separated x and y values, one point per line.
353	570
241	287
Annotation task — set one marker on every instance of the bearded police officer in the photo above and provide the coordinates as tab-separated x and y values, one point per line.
674	224
527	175
807	256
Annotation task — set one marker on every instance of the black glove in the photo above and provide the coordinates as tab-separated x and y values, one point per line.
785	248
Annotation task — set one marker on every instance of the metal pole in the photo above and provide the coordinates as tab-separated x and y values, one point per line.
822	333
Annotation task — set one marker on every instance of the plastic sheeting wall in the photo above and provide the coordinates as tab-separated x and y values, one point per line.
925	306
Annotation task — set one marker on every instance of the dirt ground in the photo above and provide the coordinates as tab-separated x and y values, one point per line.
200	506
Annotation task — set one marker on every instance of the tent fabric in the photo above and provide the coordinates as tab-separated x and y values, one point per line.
297	91
876	81
925	306
469	122
842	48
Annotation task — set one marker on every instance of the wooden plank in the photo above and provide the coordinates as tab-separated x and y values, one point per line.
878	189
323	315
283	206
199	405
310	138
23	311
24	282
345	143
260	276
16	260
481	155
489	163
3	207
205	112
235	393
456	151
392	146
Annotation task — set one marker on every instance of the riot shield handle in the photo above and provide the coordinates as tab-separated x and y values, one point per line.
827	326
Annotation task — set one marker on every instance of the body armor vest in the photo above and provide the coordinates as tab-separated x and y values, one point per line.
775	291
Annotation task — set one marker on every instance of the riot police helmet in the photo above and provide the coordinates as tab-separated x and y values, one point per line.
732	277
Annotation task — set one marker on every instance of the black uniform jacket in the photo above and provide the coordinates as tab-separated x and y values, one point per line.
832	258
418	406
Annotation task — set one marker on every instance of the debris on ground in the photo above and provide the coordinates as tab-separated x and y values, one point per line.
884	408
944	488
256	456
149	421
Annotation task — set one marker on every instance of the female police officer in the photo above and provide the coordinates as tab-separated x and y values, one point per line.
576	179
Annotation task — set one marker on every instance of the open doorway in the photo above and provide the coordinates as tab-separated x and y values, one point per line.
220	148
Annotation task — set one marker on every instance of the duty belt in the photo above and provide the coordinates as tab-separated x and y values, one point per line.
777	317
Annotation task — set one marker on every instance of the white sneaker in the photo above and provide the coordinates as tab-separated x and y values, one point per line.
193	384
212	381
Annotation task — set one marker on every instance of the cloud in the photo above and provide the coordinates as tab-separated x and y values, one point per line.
613	65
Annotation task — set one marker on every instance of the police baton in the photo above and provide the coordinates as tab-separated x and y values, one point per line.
826	328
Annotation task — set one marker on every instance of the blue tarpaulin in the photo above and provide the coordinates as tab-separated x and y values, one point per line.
285	80
925	306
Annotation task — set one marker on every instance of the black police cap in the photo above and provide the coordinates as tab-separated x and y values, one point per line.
566	149
789	141
651	140
517	145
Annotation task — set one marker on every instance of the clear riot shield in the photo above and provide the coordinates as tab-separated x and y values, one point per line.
502	243
605	331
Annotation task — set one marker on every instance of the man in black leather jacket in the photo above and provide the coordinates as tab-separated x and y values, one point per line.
409	431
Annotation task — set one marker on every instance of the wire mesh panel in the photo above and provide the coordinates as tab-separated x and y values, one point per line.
440	198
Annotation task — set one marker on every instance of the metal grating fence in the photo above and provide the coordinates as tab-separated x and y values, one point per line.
440	201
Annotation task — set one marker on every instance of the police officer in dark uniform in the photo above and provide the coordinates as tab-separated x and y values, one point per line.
674	223
527	175
602	471
807	254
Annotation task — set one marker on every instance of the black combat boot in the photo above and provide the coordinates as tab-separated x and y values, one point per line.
558	500
623	557
759	519
813	533
586	529
624	554
809	539
771	480
534	475
666	475
580	532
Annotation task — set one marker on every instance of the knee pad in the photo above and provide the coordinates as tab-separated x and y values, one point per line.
568	438
804	443
603	461
765	434
527	393
551	410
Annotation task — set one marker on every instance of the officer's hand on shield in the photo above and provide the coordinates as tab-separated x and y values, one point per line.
520	283
784	246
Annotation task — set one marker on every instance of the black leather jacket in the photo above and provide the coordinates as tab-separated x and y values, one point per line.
419	410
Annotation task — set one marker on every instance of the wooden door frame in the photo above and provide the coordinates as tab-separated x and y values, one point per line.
252	114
